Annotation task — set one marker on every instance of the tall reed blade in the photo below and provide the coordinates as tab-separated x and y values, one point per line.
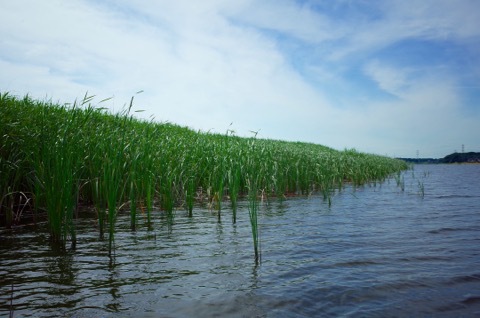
133	207
252	212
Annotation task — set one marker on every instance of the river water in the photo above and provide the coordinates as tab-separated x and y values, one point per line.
396	249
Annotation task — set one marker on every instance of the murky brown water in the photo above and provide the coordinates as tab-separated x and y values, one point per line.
377	251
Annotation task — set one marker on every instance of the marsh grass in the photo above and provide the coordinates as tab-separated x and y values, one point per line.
11	177
57	166
421	188
400	180
56	156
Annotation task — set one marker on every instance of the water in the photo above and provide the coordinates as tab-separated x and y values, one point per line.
377	251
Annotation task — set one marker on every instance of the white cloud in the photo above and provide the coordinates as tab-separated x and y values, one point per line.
392	80
426	118
397	20
286	17
207	64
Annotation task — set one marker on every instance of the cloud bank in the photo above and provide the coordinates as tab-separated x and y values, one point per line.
385	77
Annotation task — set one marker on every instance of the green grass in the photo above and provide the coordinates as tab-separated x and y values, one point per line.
54	157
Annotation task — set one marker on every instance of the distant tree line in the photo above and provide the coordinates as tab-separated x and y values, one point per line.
456	157
471	157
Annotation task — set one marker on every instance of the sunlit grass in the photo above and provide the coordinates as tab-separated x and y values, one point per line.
57	156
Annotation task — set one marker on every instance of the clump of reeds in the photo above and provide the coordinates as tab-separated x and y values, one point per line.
56	165
59	156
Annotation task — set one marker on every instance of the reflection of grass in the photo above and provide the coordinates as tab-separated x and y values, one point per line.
58	156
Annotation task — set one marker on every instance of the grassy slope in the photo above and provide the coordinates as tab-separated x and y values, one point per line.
90	156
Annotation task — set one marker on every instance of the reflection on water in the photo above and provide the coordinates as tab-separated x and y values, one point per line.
377	251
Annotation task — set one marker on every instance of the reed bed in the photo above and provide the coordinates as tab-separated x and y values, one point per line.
55	158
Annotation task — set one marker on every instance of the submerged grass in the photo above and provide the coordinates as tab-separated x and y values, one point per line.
54	157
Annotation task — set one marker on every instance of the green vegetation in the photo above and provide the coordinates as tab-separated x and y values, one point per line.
464	157
56	158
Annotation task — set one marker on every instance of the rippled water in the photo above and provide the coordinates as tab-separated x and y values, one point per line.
377	251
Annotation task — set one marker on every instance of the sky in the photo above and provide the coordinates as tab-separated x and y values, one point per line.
395	78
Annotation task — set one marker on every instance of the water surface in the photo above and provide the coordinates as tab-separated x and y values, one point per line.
397	250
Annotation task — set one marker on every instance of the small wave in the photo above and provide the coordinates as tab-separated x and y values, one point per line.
356	263
445	229
461	306
430	258
455	196
88	311
465	279
471	300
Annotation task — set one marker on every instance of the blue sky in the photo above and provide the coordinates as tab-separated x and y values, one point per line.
384	77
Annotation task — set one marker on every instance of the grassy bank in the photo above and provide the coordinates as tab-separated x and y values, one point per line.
55	158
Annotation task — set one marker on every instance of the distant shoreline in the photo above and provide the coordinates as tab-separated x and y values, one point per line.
456	157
